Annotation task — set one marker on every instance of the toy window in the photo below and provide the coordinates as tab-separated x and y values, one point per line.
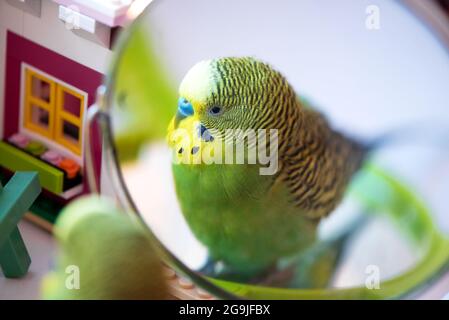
69	115
39	99
53	110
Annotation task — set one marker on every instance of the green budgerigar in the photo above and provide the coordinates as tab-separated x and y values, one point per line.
247	220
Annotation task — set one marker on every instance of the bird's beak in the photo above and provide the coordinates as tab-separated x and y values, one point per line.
185	109
178	118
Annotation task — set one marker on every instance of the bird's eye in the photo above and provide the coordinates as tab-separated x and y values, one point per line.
215	110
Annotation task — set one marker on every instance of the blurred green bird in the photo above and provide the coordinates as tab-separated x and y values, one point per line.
105	255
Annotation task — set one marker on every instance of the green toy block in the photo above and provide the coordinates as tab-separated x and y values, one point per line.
15	199
14	257
14	159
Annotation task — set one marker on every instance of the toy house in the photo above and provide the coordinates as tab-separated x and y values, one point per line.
53	55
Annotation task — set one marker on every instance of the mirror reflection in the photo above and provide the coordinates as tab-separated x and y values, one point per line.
287	146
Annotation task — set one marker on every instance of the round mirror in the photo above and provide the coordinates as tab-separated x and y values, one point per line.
285	149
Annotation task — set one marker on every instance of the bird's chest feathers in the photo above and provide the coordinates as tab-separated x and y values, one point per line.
221	184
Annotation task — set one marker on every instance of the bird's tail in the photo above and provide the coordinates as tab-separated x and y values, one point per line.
428	133
316	267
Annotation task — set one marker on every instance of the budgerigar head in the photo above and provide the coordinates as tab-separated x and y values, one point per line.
233	93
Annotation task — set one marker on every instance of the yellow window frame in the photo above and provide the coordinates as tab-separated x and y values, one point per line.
55	109
62	115
30	100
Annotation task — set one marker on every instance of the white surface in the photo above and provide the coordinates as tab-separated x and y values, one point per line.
111	8
111	13
82	21
41	247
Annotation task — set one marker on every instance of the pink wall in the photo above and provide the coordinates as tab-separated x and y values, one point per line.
18	50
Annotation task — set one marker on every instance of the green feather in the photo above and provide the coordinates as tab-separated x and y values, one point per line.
237	222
